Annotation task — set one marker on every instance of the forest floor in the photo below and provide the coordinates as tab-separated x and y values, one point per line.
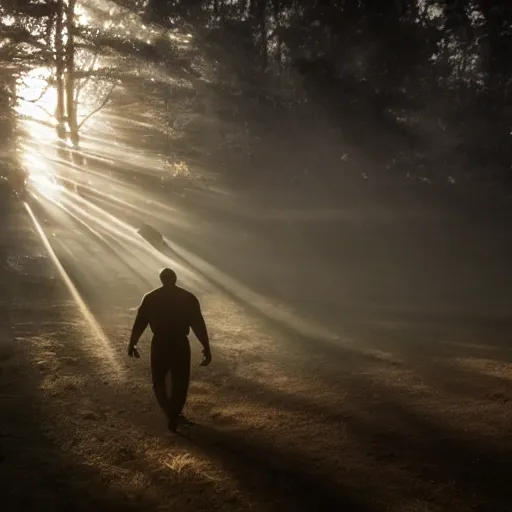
319	397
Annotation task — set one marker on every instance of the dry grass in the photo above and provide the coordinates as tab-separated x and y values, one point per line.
372	427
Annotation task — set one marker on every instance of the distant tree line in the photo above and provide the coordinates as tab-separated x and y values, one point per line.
438	72
419	86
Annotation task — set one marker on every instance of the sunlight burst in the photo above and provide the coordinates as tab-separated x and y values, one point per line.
41	177
45	185
37	99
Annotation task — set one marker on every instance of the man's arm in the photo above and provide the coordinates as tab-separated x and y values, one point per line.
198	326
139	326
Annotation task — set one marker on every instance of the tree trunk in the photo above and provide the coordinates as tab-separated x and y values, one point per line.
498	16
262	15
71	106
59	71
277	35
257	15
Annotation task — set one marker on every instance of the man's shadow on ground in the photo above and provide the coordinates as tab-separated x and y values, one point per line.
285	478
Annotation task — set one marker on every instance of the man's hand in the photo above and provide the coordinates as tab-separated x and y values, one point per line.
132	351
207	358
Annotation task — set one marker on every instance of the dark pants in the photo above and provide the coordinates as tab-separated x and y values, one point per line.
170	356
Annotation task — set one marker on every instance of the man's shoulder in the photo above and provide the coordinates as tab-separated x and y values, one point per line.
186	294
153	294
160	294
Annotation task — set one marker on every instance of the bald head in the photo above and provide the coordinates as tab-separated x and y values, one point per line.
168	277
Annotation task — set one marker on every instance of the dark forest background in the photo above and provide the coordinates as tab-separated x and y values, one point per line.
282	92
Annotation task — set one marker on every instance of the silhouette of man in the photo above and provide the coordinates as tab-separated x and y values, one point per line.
170	311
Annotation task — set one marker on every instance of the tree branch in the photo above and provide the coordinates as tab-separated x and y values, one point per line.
43	92
96	110
51	116
82	83
19	35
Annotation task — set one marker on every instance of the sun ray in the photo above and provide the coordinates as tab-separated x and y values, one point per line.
102	347
107	240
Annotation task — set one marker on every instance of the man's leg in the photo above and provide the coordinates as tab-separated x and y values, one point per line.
180	377
160	366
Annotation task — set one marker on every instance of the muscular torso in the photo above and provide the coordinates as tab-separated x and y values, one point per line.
170	311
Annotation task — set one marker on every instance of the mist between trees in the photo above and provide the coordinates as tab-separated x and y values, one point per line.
276	90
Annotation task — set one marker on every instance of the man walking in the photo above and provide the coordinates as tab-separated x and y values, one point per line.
171	311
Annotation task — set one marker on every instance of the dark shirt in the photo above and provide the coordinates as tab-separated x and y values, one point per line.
170	311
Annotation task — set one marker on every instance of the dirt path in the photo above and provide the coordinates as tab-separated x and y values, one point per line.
395	418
